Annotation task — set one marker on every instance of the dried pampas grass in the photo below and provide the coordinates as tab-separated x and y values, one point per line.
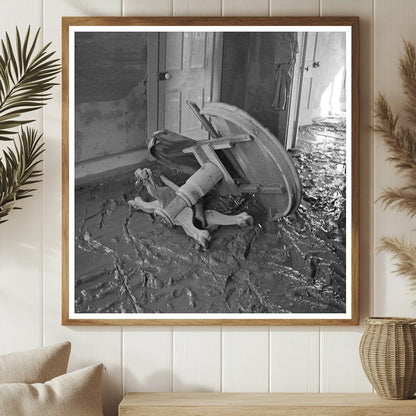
402	199
405	256
401	143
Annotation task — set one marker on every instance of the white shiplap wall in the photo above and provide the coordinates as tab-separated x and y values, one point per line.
303	359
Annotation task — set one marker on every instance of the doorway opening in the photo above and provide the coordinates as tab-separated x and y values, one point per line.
237	68
318	97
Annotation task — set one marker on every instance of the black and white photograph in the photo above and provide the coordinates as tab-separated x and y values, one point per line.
210	172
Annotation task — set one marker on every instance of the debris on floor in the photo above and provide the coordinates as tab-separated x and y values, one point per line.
128	262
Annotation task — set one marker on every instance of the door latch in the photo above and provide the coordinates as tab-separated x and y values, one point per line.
315	64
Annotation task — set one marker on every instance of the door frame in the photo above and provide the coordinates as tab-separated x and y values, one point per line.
152	81
153	64
216	69
292	124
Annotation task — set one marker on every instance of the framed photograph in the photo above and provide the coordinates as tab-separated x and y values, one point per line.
210	171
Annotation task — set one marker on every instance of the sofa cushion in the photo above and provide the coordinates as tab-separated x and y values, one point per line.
35	366
73	394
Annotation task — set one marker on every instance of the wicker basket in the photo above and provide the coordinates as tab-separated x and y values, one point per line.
388	356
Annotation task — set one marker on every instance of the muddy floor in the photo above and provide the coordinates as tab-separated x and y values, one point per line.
128	262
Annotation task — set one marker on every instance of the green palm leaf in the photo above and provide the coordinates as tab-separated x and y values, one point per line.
19	169
25	79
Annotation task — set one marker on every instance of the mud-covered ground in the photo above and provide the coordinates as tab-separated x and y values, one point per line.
128	262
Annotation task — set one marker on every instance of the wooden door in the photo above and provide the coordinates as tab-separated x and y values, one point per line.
307	104
323	85
185	73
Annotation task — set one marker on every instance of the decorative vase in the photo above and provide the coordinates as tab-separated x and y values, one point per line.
388	356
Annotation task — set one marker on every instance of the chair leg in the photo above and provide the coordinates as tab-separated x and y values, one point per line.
185	220
140	205
216	218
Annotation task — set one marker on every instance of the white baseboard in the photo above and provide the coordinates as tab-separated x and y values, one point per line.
99	166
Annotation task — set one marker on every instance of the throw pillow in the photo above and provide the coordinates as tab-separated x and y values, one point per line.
73	394
35	366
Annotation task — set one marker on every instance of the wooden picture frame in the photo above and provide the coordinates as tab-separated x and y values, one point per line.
90	311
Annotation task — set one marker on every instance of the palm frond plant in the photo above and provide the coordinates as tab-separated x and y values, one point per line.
26	78
401	143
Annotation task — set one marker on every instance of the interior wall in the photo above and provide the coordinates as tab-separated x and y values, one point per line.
110	93
234	68
249	78
247	359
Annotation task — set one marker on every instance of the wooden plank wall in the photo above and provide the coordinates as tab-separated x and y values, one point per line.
263	359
